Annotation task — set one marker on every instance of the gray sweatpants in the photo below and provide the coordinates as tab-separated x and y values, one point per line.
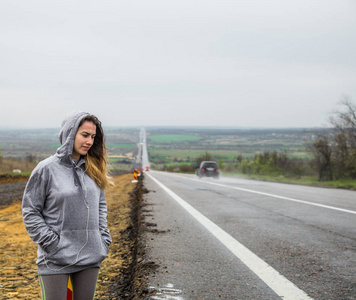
54	287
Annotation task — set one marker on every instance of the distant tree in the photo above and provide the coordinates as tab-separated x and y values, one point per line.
170	168
340	155
239	158
322	152
221	164
334	150
31	158
205	157
245	167
273	163
186	168
344	122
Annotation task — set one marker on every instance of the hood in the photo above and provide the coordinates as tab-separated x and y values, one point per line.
67	135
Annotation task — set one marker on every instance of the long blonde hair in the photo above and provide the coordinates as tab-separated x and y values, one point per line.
96	160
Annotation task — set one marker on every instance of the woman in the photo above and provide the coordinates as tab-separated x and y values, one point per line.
64	210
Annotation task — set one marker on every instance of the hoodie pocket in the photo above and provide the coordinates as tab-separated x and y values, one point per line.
71	243
95	251
104	243
79	247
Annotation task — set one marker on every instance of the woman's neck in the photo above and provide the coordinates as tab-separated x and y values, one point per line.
76	156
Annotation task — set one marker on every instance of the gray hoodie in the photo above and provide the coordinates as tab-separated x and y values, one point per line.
64	211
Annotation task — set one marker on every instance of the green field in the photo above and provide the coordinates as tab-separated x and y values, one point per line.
177	145
349	184
172	138
120	146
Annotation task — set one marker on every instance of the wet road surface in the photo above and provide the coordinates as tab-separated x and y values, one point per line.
243	239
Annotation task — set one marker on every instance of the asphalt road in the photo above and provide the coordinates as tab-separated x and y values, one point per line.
243	239
141	161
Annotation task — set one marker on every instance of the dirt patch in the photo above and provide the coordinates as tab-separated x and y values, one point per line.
132	282
12	178
140	268
122	274
11	191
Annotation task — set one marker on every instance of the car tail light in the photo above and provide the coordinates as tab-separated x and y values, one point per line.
217	170
202	170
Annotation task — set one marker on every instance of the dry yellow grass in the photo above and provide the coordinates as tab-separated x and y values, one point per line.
18	271
119	218
7	166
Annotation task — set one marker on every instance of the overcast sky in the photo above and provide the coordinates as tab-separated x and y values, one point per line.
243	63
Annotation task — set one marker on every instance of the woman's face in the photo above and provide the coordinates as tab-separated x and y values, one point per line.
84	139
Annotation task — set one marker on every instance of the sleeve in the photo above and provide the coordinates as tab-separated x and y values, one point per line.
33	203
102	219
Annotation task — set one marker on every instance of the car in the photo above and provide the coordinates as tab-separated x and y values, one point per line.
208	169
147	168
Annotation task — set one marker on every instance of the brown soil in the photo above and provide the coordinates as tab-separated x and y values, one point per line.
121	276
12	178
11	191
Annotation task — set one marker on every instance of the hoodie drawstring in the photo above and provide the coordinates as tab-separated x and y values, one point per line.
76	177
77	181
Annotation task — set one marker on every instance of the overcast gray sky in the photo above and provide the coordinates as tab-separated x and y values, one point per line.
244	63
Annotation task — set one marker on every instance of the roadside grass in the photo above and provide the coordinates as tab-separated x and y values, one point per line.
349	184
119	169
7	166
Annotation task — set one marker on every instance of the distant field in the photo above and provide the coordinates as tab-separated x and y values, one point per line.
182	145
118	146
22	149
188	154
172	138
167	146
42	143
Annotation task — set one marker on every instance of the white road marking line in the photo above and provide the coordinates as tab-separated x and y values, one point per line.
277	282
274	196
